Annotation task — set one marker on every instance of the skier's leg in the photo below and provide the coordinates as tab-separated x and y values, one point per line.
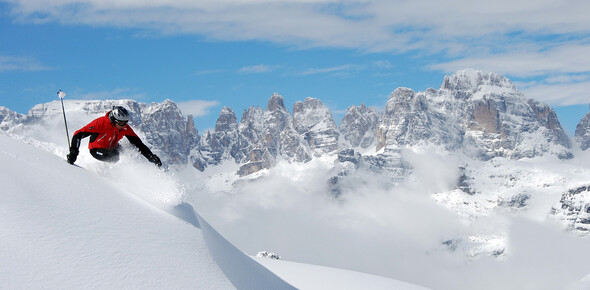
106	155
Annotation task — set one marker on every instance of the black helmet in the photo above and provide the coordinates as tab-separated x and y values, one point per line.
119	114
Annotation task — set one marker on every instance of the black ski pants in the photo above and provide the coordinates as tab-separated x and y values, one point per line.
106	155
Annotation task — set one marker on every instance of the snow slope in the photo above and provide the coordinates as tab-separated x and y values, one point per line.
305	276
66	227
124	226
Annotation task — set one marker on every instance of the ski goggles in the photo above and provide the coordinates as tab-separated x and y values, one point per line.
121	123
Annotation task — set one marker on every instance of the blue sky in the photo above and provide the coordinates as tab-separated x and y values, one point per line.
212	53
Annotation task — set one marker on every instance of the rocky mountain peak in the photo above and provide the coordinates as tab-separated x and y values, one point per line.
251	124
403	94
268	135
466	82
582	133
309	114
163	106
413	119
168	131
313	121
483	114
276	103
358	126
227	120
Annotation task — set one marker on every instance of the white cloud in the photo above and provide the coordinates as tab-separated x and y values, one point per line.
534	61
209	71
367	25
362	24
259	68
545	38
197	108
334	69
389	231
14	63
561	79
382	64
561	72
558	94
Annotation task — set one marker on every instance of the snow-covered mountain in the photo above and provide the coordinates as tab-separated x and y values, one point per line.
481	114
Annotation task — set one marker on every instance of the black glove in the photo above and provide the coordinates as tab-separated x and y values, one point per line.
155	160
73	155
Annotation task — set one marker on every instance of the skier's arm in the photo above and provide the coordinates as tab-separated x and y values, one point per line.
84	132
75	145
144	150
77	139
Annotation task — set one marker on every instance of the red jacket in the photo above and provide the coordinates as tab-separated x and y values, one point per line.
104	135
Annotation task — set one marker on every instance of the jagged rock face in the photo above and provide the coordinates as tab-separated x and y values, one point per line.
506	125
279	136
262	137
265	136
501	122
250	128
293	147
313	120
227	121
482	114
574	209
276	119
258	159
582	133
486	117
223	142
412	119
358	127
165	128
549	124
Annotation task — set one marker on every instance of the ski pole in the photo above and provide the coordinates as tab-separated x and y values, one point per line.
61	96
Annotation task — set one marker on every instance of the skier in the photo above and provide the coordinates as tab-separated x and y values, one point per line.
105	133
